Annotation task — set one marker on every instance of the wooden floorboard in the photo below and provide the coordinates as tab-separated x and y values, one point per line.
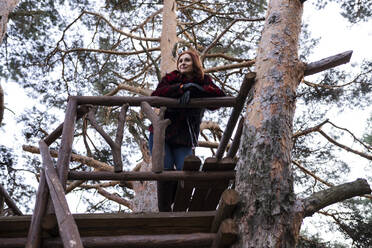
121	224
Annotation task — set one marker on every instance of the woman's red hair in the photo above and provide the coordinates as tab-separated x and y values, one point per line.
196	63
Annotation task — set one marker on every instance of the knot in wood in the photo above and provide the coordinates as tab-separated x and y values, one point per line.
274	18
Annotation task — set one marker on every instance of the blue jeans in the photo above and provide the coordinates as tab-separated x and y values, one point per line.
174	156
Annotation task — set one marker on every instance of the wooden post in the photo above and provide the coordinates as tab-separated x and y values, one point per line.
227	234
229	200
67	227
114	145
236	141
81	111
159	125
247	84
34	232
9	201
64	154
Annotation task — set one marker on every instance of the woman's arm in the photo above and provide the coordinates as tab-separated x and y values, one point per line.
169	86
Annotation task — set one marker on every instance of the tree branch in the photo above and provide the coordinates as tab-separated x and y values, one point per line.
74	157
367	156
333	195
327	63
120	31
231	66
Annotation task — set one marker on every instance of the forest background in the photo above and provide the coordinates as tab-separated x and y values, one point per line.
48	75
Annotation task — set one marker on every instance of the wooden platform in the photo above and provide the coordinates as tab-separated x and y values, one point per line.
123	224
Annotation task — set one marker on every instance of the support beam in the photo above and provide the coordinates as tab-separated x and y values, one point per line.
228	202
9	201
247	84
327	63
227	234
67	227
150	176
156	101
236	141
64	154
81	111
143	241
42	196
114	145
159	126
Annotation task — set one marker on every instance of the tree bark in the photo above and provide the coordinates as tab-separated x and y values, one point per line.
6	6
264	175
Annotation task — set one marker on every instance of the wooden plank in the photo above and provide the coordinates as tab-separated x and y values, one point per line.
66	224
228	202
12	242
185	188
143	241
207	199
116	224
227	234
151	176
34	232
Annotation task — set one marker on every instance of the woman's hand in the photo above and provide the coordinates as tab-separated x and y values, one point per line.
185	98
192	86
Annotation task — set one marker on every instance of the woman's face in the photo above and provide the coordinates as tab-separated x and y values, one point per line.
185	65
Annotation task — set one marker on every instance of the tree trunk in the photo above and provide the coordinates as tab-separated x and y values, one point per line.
146	193
267	216
168	41
6	6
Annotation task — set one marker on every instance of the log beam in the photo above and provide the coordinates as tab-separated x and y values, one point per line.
236	141
247	84
81	111
67	227
150	176
64	154
42	196
159	126
114	145
143	241
335	194
156	101
327	63
228	202
9	201
227	234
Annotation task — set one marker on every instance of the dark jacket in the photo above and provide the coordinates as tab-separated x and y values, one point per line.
185	126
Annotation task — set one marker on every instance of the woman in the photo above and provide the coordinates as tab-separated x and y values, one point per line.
181	136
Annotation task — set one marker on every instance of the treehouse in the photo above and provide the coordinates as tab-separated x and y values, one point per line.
204	201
